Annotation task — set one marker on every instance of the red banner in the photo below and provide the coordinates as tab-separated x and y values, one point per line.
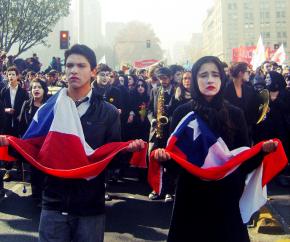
145	63
244	53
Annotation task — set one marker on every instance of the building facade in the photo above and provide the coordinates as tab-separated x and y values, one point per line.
234	23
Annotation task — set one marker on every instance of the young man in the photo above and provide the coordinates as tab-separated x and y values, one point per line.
159	139
73	209
12	97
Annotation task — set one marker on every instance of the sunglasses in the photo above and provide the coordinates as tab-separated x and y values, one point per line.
140	85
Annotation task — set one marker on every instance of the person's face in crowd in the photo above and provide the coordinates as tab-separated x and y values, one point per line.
37	91
78	71
31	77
50	79
12	78
268	80
287	82
130	83
186	80
279	70
177	77
112	78
209	80
164	81
267	67
246	75
140	87
227	71
121	80
103	78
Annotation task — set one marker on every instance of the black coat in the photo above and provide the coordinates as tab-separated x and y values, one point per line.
21	96
110	94
249	102
101	125
2	118
209	210
277	121
26	115
139	128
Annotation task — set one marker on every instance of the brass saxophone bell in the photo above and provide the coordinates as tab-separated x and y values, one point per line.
163	120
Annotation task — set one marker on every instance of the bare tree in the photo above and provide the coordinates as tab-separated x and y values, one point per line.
26	23
137	41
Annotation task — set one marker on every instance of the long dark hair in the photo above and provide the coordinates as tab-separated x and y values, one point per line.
215	112
44	87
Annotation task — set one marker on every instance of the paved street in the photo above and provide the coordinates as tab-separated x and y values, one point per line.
130	216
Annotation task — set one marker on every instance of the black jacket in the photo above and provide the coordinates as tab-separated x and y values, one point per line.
21	96
101	125
2	117
249	102
26	115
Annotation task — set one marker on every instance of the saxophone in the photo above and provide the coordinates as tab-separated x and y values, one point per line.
162	120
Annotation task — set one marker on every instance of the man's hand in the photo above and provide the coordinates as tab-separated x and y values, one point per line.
3	140
130	119
269	146
161	155
136	145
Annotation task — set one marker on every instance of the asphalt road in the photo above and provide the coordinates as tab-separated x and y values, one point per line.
130	216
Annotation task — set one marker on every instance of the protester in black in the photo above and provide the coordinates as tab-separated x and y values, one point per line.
138	125
182	93
13	97
209	210
239	94
39	93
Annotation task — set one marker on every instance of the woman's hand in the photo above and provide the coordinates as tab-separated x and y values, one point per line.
269	146
161	155
3	140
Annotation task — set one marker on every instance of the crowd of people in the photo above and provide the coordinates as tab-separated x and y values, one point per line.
149	104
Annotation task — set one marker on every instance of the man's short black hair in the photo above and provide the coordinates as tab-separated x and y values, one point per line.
175	68
83	50
163	71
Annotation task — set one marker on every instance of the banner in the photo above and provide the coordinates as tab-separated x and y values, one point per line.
145	63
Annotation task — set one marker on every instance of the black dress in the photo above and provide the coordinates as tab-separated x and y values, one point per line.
249	103
208	211
26	115
140	127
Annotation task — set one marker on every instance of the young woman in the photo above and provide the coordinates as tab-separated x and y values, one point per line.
39	91
209	210
241	95
182	92
138	123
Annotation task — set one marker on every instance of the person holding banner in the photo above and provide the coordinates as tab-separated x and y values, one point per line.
206	205
73	209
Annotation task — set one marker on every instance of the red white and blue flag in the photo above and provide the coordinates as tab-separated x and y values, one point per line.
196	149
55	143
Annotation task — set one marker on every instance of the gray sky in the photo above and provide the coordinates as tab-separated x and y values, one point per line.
172	20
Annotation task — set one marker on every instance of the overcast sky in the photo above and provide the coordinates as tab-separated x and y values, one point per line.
172	20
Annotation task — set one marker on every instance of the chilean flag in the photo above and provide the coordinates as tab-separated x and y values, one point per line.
55	143
196	149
